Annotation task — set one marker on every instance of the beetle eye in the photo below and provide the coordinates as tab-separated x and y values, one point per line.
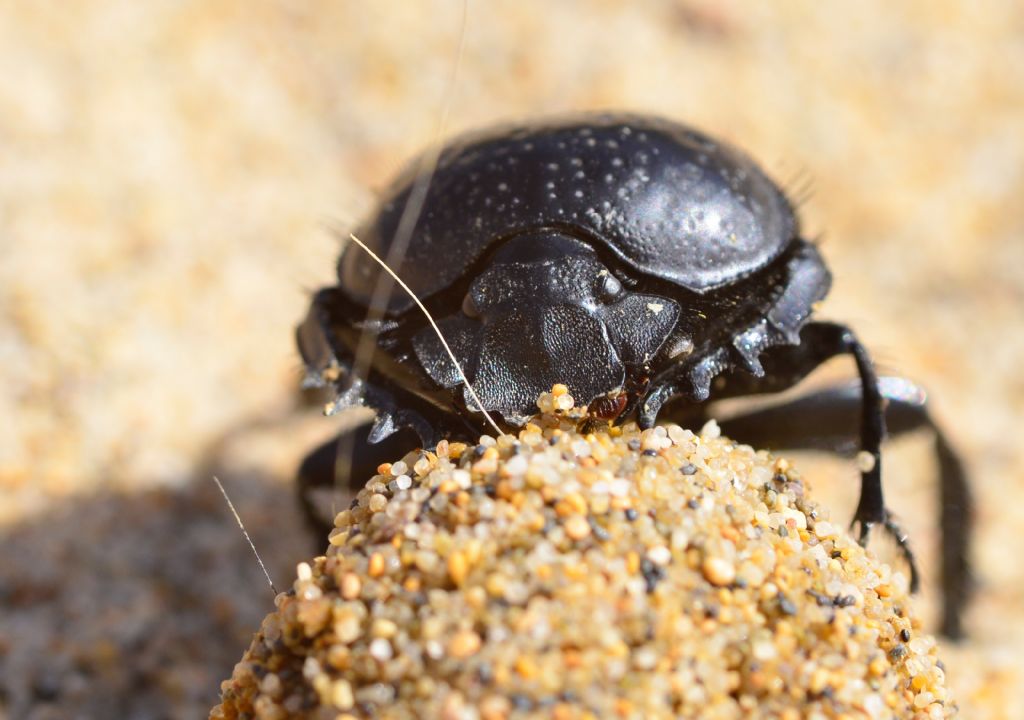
469	307
610	288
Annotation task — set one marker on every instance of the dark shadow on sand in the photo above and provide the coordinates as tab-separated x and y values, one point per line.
138	606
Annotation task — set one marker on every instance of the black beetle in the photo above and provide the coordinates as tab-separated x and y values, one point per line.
645	265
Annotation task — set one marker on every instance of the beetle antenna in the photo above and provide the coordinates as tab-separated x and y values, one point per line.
433	324
238	519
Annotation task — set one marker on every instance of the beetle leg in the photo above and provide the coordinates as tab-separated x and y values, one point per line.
345	462
827	420
819	341
835	339
786	365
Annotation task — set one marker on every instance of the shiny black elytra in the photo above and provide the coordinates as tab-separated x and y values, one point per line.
645	265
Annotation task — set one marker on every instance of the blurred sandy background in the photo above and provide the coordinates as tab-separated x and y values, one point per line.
167	170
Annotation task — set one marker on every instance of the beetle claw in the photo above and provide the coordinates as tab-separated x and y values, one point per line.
896	532
863	531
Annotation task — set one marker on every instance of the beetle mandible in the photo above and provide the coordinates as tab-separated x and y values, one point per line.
644	264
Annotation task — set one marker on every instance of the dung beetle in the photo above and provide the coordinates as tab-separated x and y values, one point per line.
645	265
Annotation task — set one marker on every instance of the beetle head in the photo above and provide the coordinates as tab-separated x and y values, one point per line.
545	309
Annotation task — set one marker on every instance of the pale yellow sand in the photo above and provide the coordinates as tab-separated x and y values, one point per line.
166	173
